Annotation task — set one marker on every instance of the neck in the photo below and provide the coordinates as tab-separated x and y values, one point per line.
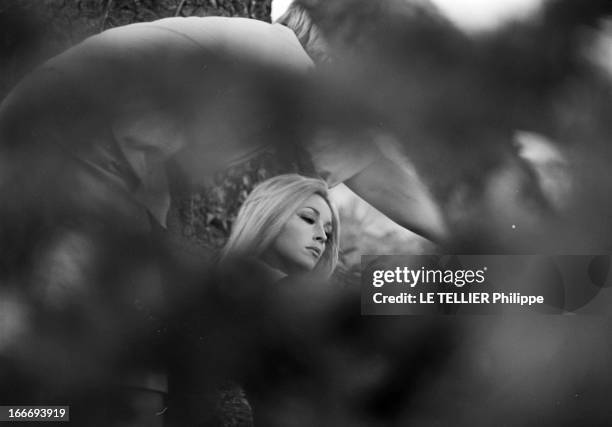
272	273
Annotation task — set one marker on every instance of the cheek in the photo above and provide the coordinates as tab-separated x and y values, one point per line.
292	239
283	242
294	232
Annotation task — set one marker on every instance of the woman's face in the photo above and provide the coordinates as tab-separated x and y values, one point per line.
301	243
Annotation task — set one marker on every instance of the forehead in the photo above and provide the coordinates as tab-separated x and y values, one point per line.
319	204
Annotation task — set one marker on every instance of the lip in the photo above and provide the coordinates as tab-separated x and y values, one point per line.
314	250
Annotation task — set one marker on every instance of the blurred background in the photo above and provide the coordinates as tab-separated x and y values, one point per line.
503	109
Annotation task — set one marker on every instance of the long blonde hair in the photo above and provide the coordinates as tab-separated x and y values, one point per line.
267	209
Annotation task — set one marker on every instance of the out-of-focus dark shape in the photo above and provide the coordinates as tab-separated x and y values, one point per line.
599	271
456	101
88	295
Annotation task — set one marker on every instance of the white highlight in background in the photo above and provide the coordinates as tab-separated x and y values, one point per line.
486	14
471	15
279	7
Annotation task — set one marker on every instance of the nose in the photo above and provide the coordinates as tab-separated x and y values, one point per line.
319	234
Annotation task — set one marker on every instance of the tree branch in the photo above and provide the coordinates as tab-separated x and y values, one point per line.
109	3
179	8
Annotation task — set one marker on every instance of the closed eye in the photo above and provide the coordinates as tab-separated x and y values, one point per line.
307	219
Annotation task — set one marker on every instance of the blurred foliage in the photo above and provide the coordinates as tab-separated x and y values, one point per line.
206	213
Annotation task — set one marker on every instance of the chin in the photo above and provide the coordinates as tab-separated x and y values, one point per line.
306	266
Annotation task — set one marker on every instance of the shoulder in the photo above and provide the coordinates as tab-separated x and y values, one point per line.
175	39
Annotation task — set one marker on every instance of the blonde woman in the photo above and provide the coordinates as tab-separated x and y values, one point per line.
289	225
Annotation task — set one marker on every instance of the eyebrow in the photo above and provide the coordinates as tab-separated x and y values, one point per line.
314	209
